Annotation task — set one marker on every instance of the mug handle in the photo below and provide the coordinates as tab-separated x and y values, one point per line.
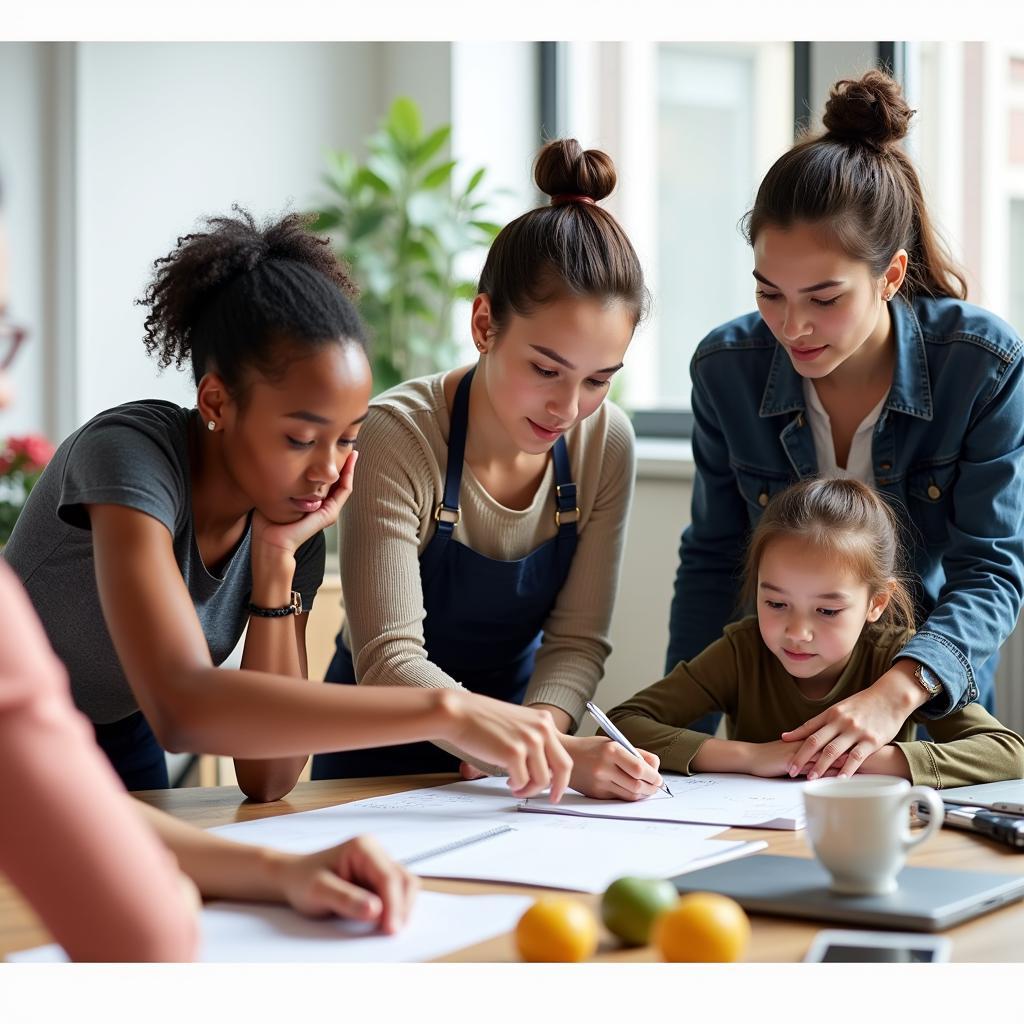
936	814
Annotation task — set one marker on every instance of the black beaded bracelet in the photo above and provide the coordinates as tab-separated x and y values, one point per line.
294	608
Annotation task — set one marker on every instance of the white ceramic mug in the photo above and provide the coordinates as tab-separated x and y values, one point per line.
859	828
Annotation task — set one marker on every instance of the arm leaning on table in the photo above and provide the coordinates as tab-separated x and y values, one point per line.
101	882
194	706
356	879
968	747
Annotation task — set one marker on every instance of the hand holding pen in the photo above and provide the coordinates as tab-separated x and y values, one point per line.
613	733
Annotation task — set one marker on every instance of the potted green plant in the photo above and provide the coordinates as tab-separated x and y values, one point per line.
400	221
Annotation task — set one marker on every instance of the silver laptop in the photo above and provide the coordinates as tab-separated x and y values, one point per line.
987	795
927	900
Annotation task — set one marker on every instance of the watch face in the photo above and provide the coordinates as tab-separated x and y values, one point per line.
929	680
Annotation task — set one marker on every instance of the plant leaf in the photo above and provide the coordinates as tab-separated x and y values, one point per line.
430	145
404	124
366	222
387	168
366	176
438	175
325	221
475	180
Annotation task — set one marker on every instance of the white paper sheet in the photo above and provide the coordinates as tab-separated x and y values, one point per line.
584	854
404	823
711	798
263	933
554	851
405	834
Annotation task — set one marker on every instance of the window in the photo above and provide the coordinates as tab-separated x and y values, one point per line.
969	148
692	128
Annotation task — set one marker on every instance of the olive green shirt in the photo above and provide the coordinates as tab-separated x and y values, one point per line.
739	675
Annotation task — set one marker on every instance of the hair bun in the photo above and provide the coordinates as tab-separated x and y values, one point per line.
564	167
870	109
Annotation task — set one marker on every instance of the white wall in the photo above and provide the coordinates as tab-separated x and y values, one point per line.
25	148
109	151
495	113
639	635
166	133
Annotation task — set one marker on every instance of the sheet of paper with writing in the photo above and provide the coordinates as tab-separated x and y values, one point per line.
467	819
711	799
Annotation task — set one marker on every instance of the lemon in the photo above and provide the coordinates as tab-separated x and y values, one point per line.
702	927
630	905
557	929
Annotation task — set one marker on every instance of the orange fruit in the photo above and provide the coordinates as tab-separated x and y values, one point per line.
702	927
557	929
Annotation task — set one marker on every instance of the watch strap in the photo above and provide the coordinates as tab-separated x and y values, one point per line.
294	607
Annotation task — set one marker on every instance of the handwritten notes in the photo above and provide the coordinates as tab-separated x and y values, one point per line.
711	799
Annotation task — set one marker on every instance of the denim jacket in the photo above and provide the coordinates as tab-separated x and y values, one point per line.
948	454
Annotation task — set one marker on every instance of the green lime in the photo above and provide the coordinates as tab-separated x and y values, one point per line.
630	905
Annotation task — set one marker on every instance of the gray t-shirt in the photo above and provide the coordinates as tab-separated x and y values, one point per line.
135	455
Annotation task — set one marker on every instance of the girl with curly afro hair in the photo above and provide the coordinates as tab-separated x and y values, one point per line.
158	534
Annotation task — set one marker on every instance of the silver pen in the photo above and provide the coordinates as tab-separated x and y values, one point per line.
602	720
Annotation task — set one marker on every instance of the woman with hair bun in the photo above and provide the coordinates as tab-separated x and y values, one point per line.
157	534
482	548
864	360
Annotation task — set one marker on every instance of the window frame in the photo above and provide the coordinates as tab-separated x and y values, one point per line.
665	423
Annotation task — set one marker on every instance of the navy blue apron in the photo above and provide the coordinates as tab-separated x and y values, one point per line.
484	617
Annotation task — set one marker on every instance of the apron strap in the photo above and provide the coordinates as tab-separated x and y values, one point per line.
567	511
447	513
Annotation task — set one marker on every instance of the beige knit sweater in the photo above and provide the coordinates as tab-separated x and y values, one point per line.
389	520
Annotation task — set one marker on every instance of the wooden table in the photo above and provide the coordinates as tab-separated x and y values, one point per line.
997	936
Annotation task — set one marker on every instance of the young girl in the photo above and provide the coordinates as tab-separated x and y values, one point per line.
863	360
157	534
496	496
77	847
832	615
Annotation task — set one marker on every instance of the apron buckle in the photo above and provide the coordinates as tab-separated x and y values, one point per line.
454	512
575	513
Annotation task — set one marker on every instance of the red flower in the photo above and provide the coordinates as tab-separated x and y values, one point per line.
34	449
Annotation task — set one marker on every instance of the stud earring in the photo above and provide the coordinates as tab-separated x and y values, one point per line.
211	425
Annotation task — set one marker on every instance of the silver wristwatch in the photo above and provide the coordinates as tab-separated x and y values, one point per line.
928	680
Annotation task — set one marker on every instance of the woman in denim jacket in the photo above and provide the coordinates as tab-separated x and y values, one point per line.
864	360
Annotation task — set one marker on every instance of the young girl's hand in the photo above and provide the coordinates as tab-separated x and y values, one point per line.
606	770
287	538
357	880
770	760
